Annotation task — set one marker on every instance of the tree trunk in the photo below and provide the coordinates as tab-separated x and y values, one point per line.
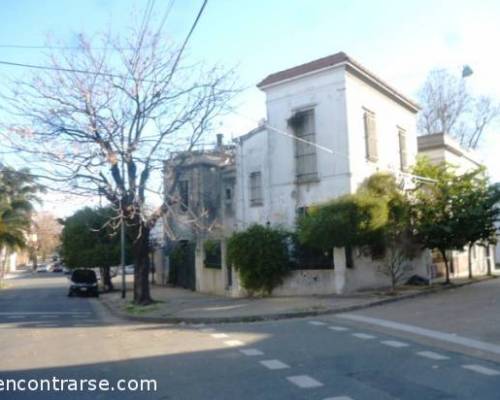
142	294
106	279
469	256
443	253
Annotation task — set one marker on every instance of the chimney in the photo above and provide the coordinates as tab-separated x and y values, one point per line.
220	138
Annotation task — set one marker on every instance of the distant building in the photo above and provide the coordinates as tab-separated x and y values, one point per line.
440	148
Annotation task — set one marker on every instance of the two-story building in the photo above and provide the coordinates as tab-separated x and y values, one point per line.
331	123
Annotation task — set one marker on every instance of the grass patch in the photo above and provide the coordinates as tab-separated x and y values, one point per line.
3	285
135	309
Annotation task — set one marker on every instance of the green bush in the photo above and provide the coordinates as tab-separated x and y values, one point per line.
350	220
260	255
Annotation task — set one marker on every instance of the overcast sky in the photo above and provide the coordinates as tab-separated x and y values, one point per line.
398	40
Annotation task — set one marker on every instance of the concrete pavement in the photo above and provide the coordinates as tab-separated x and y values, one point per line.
328	357
175	305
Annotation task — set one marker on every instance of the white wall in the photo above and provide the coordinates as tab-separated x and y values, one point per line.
338	99
275	152
389	116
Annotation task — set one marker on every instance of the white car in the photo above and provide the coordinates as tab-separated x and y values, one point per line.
42	268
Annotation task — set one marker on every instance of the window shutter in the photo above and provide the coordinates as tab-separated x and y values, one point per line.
402	150
305	153
370	136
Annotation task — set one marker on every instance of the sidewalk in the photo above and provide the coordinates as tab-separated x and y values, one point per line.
175	305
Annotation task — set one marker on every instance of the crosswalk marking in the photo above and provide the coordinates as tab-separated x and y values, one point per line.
304	381
274	364
432	355
481	370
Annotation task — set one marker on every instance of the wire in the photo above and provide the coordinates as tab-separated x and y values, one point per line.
78	71
188	37
41	47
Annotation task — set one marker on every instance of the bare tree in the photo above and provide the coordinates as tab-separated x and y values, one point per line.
48	231
102	118
396	266
449	107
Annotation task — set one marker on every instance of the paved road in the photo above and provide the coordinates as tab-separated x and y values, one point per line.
45	334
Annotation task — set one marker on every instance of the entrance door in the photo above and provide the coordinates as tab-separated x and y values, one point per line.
182	263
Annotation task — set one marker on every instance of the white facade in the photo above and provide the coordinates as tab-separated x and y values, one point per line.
339	97
339	100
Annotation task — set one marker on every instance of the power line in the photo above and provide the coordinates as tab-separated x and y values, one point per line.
188	37
43	47
77	71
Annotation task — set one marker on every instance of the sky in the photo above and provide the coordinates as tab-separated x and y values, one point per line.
401	41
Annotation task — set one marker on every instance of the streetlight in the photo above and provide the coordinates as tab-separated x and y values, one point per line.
466	71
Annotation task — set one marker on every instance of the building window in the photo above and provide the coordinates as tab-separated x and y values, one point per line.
184	195
256	189
370	136
403	155
303	126
228	200
213	254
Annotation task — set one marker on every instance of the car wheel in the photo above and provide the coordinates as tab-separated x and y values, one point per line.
70	293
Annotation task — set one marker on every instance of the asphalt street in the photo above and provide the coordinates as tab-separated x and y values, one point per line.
45	334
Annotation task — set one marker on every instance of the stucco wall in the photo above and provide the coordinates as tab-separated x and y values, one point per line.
306	283
389	117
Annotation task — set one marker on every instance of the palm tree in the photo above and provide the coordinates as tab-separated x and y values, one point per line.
18	193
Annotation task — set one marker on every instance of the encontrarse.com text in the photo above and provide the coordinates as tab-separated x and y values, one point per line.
55	384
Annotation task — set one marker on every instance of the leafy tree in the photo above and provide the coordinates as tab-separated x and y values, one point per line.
395	239
260	254
89	240
348	221
478	211
376	217
454	210
18	194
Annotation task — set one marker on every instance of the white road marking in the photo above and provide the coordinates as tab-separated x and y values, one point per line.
207	330
364	336
482	370
219	335
234	343
43	312
304	381
274	364
16	316
55	316
339	398
432	355
446	337
252	352
394	343
338	328
317	323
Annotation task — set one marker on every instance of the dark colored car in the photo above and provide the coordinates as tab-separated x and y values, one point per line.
83	282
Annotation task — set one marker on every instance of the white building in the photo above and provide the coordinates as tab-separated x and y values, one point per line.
331	123
360	125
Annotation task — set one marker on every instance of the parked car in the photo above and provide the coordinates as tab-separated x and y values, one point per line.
55	267
42	268
83	282
66	270
129	270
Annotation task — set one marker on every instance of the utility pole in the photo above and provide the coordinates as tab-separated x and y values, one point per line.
122	233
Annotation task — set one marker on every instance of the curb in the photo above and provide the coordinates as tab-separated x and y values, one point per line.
278	316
